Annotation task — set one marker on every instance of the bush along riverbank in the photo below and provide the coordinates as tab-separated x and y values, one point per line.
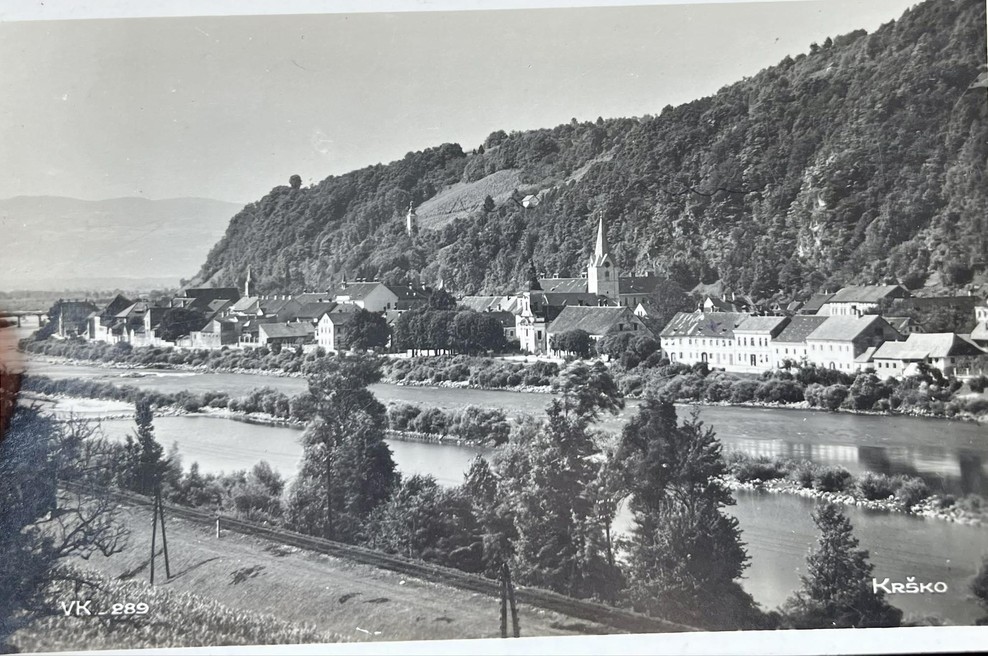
927	394
899	493
472	425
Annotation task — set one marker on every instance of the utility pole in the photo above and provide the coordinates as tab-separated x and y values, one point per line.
508	598
157	513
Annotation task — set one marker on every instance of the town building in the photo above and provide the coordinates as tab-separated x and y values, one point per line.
370	296
596	321
847	342
285	334
331	328
789	346
753	343
694	337
859	300
72	319
950	353
814	303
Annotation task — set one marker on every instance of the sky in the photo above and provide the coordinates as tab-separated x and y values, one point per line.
229	107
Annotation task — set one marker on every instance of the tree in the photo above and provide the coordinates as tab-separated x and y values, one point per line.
295	181
837	591
561	544
586	390
347	469
686	554
667	298
495	512
576	341
426	521
179	322
367	330
144	464
441	299
488	204
42	524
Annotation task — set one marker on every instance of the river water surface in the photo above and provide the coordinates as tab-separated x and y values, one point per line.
777	528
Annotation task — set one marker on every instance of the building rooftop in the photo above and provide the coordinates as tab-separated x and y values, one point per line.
868	293
799	328
845	329
287	330
594	320
564	285
704	324
919	346
752	324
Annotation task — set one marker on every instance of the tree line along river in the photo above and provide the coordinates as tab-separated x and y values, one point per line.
777	528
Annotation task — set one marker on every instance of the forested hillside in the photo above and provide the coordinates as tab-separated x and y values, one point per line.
861	161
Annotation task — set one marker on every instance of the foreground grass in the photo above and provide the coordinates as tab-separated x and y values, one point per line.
174	619
353	601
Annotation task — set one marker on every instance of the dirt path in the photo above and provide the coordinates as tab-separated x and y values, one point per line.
357	601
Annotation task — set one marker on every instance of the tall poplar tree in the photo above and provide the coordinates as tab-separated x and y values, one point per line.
347	469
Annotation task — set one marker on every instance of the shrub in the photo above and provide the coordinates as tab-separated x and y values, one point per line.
803	473
832	479
874	486
833	396
911	491
978	384
762	468
779	391
743	391
972	503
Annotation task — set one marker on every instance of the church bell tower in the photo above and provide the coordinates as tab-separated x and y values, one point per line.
602	273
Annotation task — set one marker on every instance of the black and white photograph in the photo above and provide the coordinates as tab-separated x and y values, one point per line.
336	323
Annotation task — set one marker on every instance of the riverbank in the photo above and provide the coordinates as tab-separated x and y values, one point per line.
714	389
907	495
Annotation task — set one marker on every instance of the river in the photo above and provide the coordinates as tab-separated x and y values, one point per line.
777	528
950	455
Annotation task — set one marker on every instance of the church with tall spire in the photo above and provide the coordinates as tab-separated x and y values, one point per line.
543	299
604	278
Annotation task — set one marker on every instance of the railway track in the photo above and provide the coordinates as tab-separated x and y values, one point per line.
617	618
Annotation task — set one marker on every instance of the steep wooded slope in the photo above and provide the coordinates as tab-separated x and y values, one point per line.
859	162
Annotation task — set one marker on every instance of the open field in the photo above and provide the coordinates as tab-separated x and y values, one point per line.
356	602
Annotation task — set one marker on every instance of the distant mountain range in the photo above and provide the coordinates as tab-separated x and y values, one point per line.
52	242
861	161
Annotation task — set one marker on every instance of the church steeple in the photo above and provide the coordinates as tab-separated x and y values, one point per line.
602	249
602	273
247	282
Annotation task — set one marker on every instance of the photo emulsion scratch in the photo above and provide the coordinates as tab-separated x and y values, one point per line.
445	325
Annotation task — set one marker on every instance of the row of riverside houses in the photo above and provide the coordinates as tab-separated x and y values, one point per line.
219	317
858	327
854	329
